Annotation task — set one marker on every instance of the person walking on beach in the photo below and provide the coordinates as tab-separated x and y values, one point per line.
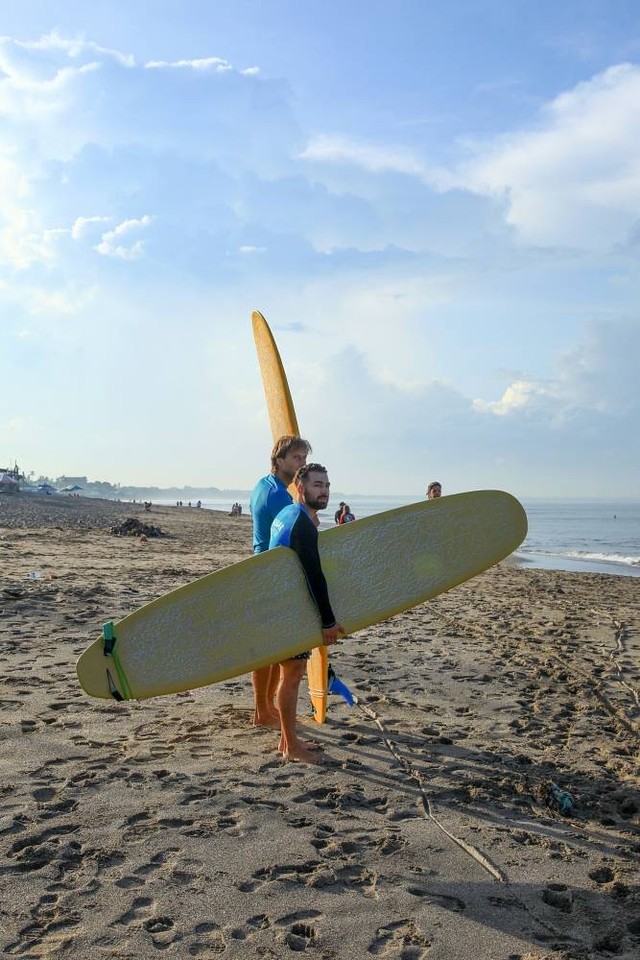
434	490
296	527
345	514
336	515
268	498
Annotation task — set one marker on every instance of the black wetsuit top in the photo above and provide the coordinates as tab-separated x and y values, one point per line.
294	528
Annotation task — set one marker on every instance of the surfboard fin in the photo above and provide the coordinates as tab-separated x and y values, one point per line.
109	640
337	686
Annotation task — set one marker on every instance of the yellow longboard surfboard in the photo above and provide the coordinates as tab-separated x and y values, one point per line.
283	421
259	611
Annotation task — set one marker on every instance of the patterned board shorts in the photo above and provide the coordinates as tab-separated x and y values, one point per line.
301	656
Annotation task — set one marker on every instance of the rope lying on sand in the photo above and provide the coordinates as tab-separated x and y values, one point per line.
619	638
475	854
426	802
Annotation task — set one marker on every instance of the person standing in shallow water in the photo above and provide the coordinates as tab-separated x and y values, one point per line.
434	490
296	527
268	498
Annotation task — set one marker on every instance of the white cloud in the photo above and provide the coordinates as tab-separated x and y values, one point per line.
75	48
47	106
217	64
83	126
84	226
65	302
597	377
38	78
59	95
202	65
519	395
22	244
540	438
111	244
573	179
17	231
372	157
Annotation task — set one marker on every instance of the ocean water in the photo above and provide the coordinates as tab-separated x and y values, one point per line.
602	536
593	536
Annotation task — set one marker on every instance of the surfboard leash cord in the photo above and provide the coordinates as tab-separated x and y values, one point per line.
109	642
498	875
426	802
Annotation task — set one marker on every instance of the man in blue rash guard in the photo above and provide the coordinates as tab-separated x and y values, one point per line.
296	526
270	493
269	496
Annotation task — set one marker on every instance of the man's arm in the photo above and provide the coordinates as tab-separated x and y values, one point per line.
304	540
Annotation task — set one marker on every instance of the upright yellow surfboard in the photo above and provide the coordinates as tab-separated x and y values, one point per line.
283	421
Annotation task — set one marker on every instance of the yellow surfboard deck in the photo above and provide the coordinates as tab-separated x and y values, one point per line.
259	611
283	422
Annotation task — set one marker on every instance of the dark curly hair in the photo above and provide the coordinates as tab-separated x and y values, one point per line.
303	472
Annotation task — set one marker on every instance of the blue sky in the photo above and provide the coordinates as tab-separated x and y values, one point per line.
436	205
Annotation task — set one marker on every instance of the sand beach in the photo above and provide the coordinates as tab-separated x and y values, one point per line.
171	827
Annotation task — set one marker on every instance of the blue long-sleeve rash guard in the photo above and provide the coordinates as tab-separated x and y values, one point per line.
294	528
268	498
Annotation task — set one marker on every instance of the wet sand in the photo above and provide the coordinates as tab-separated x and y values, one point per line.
173	825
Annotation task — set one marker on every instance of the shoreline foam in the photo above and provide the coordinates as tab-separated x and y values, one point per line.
575	564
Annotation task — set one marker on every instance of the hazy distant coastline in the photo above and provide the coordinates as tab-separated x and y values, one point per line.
176	493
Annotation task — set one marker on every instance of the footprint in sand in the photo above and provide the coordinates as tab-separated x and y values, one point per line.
50	931
141	915
314	873
403	940
211	940
300	936
194	794
140	875
43	794
36	851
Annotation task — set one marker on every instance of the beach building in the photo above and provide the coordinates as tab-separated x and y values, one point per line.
10	478
8	484
69	482
13	471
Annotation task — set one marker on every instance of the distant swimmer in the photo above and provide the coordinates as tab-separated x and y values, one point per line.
434	490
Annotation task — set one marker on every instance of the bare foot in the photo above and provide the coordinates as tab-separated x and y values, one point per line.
283	748
302	754
271	720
